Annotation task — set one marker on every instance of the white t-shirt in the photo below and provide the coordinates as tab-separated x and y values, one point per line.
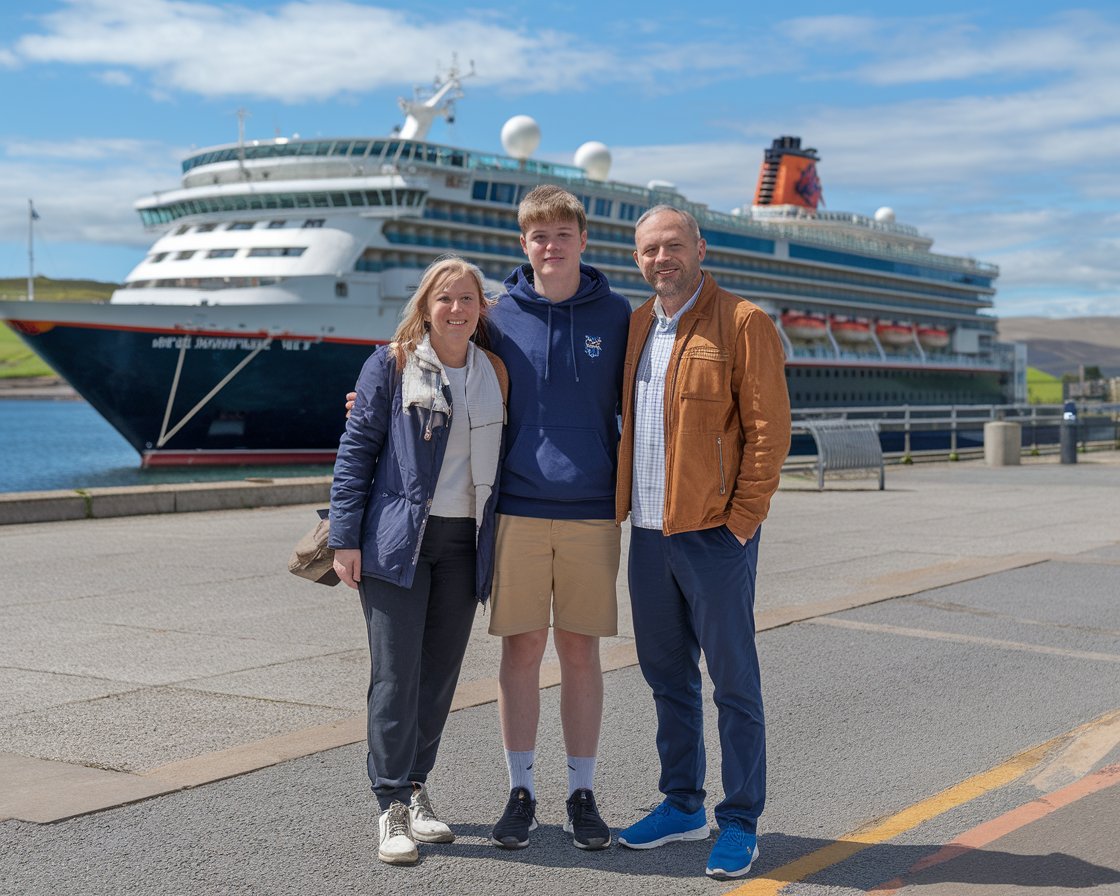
454	496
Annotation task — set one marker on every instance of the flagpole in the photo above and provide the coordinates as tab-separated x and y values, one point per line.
30	251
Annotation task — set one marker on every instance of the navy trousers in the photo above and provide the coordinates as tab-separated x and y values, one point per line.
693	592
417	639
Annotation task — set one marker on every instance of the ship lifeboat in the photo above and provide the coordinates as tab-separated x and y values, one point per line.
853	332
894	334
933	337
803	326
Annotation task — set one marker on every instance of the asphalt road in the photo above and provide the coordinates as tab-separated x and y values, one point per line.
941	664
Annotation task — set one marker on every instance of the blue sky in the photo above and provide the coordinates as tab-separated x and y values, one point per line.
993	128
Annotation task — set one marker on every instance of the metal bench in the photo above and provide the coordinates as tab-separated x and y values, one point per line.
846	445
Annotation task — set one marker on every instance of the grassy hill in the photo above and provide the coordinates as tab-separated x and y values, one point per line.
1060	345
16	359
48	290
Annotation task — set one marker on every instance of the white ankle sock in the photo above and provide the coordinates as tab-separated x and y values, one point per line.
581	773
520	764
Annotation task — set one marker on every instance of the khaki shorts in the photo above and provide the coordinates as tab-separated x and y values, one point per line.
558	571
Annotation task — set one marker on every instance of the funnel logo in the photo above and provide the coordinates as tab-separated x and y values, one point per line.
808	186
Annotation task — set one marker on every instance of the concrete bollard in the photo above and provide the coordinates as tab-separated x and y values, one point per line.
1002	443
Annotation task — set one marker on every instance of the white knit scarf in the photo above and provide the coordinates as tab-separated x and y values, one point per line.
422	385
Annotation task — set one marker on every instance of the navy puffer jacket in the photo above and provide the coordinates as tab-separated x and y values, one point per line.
385	475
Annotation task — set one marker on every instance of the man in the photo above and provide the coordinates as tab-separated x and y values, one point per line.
705	429
561	333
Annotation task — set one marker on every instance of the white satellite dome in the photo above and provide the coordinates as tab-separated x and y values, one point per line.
521	136
885	215
594	158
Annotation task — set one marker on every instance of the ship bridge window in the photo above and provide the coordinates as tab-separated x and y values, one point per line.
205	228
184	255
628	211
277	251
159	256
241	225
359	147
503	193
314	222
182	230
213	204
221	253
277	224
603	206
341	148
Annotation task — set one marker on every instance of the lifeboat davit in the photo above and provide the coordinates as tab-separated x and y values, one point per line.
894	334
851	331
803	326
933	337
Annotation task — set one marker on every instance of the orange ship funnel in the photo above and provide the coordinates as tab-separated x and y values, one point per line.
788	175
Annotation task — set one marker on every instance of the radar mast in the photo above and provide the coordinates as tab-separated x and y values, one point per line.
421	110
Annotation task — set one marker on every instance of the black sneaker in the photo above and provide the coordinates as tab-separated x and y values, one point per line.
588	830
520	817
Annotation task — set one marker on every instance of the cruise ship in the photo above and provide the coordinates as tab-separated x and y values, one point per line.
280	263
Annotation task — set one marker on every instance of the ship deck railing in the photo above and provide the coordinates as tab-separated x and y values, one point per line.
931	359
909	433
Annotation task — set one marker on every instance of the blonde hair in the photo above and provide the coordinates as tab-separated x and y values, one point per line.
413	326
549	203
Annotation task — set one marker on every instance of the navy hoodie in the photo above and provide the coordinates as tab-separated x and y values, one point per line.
565	373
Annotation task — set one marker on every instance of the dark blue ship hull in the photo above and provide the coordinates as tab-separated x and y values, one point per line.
284	404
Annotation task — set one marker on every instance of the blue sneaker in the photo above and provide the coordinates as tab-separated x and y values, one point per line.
664	825
733	853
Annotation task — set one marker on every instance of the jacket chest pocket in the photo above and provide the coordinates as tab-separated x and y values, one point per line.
704	387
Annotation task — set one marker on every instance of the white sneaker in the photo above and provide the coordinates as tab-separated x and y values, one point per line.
397	845
425	826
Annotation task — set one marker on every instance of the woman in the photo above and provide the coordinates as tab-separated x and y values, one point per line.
412	525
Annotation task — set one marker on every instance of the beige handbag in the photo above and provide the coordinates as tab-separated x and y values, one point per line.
311	558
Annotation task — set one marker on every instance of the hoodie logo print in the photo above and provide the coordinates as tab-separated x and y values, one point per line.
593	345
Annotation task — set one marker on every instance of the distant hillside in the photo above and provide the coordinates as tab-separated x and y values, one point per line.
48	290
17	361
1059	345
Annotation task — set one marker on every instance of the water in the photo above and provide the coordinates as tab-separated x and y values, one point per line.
67	445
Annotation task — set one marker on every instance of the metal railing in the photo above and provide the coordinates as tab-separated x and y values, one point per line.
909	432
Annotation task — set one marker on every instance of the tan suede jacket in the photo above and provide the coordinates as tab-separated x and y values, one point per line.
727	420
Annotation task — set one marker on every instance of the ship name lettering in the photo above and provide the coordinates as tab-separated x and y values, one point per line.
171	342
295	345
228	343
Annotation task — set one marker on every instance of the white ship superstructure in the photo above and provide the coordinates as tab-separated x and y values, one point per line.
299	253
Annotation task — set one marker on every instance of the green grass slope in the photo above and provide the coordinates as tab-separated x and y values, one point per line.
16	359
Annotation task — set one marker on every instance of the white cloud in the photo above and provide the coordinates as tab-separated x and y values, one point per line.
82	196
301	50
86	149
115	78
947	48
309	50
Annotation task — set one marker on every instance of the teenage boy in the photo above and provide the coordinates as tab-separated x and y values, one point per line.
561	332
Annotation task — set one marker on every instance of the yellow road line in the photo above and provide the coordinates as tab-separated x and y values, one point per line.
909	818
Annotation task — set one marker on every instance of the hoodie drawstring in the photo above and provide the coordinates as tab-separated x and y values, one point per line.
572	341
548	347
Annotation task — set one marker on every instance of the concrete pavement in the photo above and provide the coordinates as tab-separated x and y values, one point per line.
146	655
